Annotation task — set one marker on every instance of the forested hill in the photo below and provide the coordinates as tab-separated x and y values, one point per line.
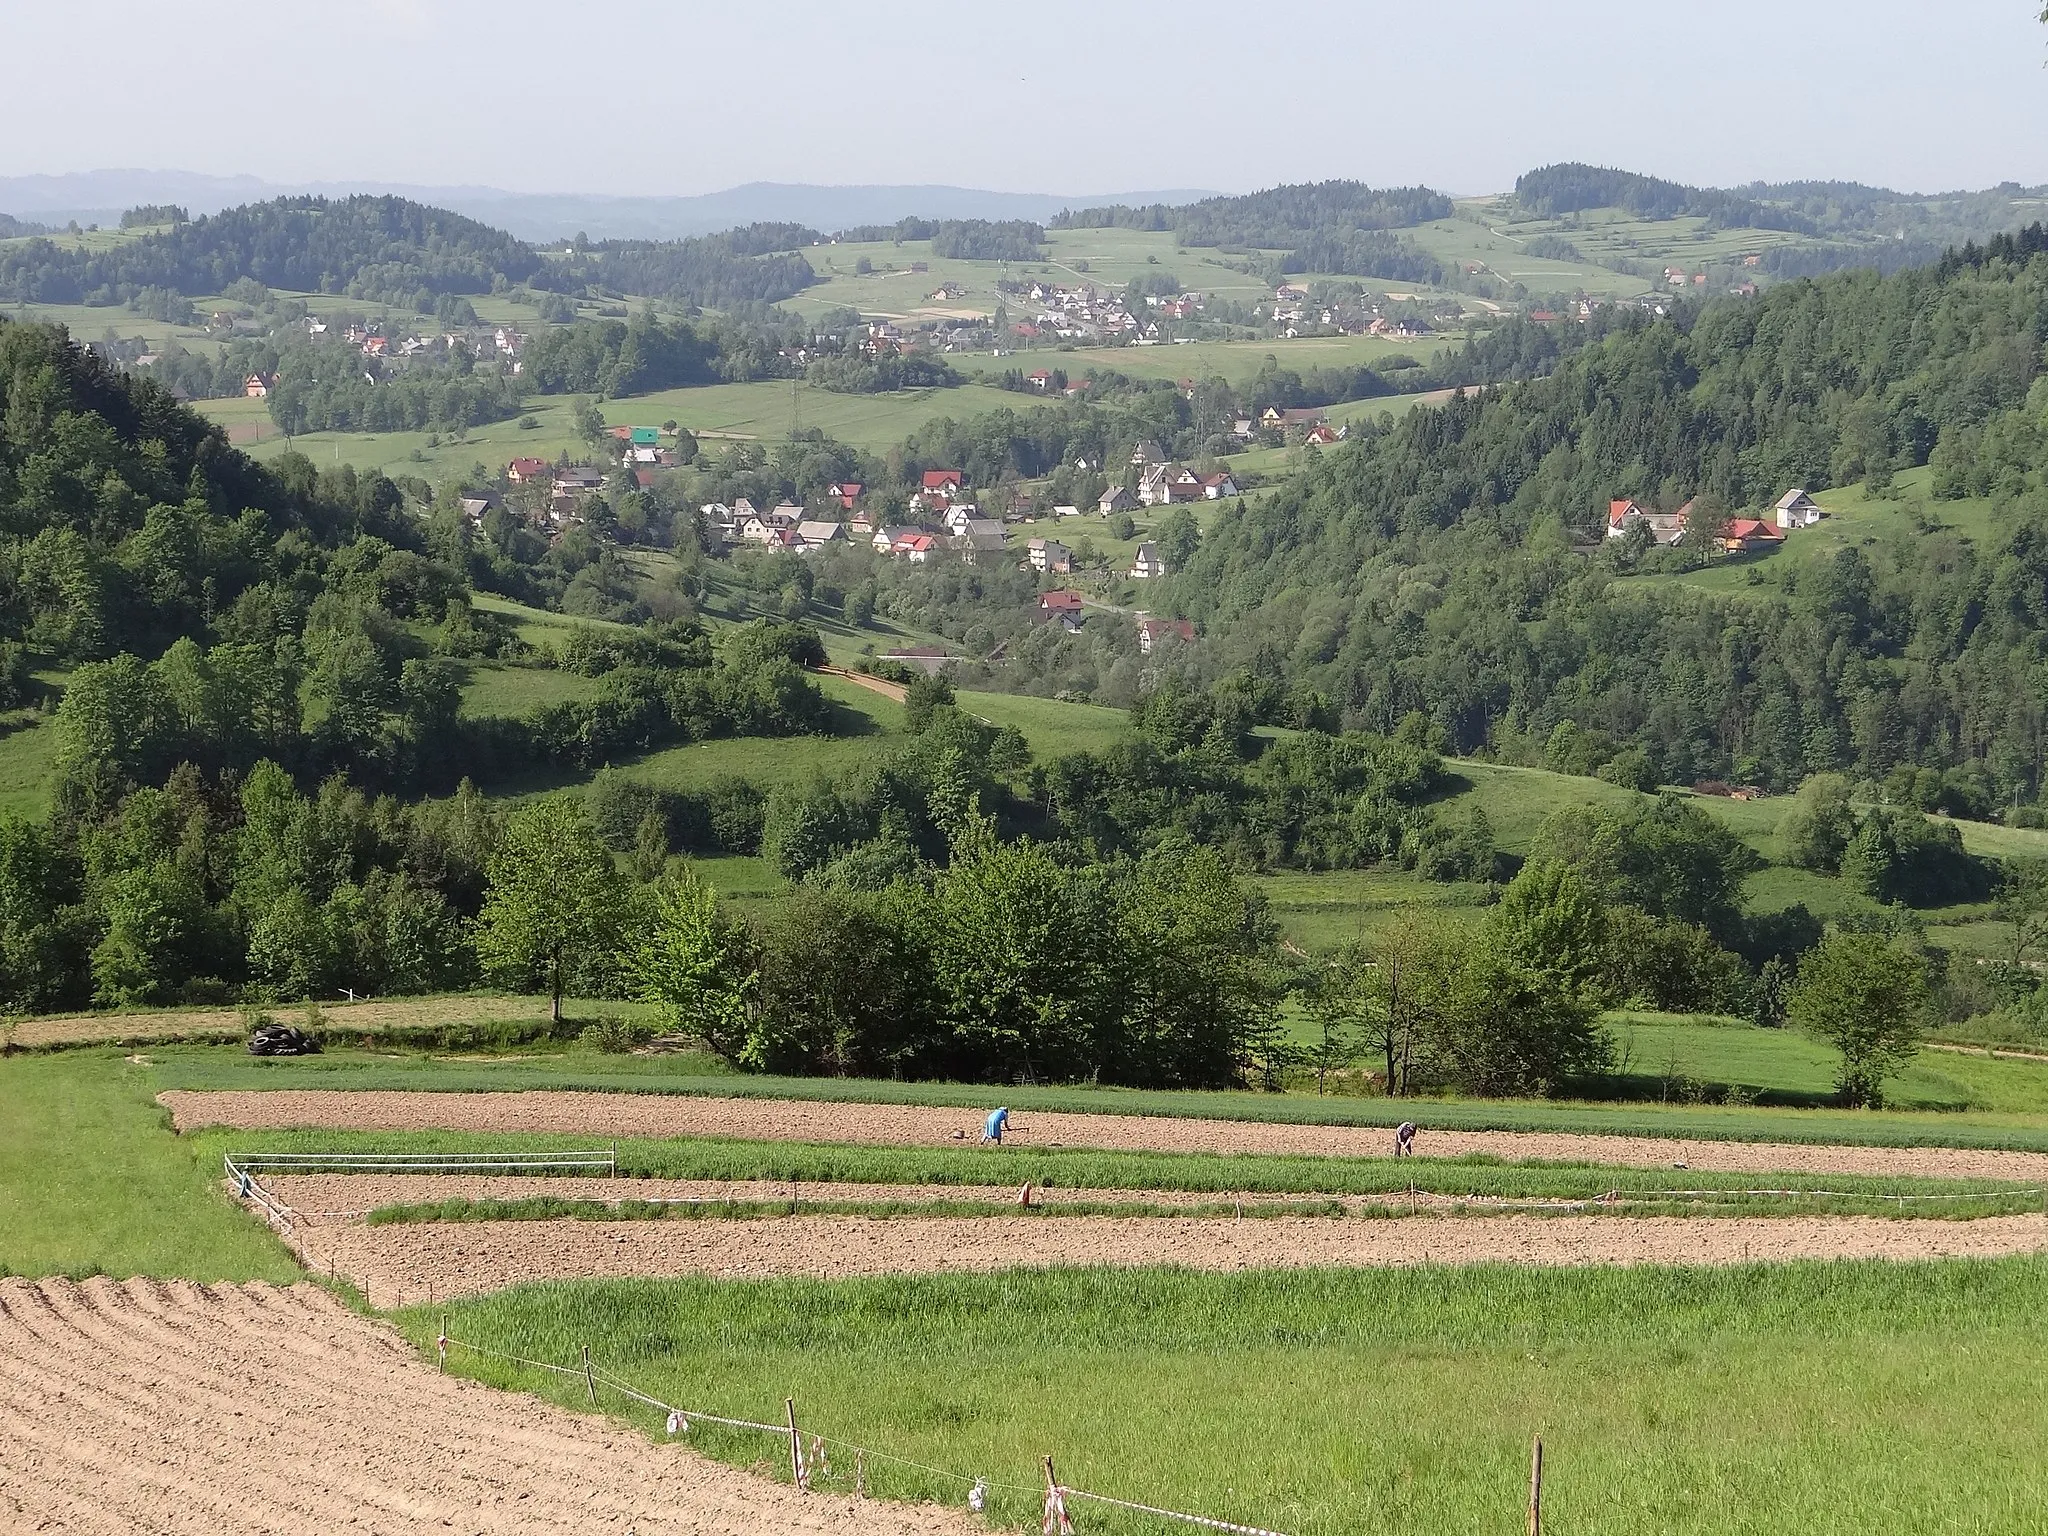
1430	567
1276	218
391	250
364	245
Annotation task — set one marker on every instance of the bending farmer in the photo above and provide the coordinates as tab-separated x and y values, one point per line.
1404	1139
993	1131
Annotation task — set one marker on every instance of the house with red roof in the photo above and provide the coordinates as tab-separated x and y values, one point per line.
1750	535
526	471
847	492
942	480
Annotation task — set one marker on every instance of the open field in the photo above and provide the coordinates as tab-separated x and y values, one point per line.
1236	361
857	1123
1832	1398
470	1258
2005	1094
92	1181
152	1407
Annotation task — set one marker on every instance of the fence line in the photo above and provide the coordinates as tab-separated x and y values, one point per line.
679	1420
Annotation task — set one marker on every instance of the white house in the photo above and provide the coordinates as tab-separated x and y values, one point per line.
1796	509
814	535
1148	563
1049	555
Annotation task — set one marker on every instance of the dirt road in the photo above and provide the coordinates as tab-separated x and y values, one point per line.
411	1262
607	1115
146	1406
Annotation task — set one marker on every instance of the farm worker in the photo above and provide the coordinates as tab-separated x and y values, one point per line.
1404	1139
993	1131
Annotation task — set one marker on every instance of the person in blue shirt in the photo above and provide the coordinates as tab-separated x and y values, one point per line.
993	1131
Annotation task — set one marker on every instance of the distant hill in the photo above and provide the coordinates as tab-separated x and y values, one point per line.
97	197
1853	225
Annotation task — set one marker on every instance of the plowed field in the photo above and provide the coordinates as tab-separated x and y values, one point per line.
657	1115
142	1406
416	1262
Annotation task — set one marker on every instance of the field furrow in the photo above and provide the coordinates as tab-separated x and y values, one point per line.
407	1261
601	1115
181	1408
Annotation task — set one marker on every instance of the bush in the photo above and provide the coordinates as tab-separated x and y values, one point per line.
615	1036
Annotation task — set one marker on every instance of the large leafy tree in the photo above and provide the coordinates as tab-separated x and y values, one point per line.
554	898
1867	997
698	968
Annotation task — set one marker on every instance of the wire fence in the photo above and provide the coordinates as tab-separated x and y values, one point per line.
809	1453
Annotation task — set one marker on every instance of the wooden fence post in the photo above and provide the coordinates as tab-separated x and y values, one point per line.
589	1376
796	1448
1536	1488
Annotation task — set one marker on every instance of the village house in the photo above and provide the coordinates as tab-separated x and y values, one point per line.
1049	555
1152	631
1217	486
258	385
1323	435
846	493
984	536
1147	564
1750	535
1064	510
958	516
1147	453
816	535
885	539
1796	509
527	471
983	528
915	547
1117	499
579	479
474	507
1665	527
1062	608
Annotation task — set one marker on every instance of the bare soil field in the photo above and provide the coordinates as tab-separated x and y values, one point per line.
170	1407
662	1115
421	1261
230	1023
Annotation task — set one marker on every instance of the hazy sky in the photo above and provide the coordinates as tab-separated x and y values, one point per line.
677	96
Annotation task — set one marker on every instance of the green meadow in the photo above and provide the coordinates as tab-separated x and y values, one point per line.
1830	1398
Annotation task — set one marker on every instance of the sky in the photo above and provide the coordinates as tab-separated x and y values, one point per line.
664	97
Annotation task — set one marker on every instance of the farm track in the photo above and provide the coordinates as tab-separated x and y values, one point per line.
146	1406
665	1115
418	1262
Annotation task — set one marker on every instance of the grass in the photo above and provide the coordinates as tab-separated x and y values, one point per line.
92	1181
1816	1397
2006	1096
823	1165
500	690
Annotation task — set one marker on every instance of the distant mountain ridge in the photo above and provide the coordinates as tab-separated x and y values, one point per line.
98	197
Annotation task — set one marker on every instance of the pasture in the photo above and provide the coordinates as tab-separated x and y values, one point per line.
1832	1397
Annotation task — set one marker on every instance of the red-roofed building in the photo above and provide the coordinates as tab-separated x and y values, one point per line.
1059	602
848	492
526	471
1746	535
943	479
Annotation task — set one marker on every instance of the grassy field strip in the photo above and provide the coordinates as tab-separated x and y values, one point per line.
577	1073
815	1168
1831	1398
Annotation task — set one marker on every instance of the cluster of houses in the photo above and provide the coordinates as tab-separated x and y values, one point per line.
1292	313
1069	610
1083	314
565	485
1741	535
